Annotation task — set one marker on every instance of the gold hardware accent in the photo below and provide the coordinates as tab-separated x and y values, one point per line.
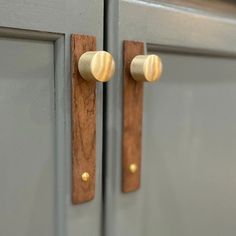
96	65
85	176
146	68
133	168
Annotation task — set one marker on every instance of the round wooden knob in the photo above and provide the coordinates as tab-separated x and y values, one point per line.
146	68
96	65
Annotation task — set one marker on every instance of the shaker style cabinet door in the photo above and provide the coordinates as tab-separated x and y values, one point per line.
188	132
35	126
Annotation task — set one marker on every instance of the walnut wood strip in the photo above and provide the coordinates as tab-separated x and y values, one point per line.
132	119
83	123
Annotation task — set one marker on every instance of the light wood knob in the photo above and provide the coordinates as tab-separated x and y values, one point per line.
146	68
96	65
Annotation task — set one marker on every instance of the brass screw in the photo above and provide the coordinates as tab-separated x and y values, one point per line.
133	168
85	176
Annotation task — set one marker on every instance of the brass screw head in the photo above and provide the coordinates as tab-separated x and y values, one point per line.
133	168
85	176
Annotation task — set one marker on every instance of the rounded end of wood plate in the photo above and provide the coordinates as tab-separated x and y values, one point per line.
146	68
96	66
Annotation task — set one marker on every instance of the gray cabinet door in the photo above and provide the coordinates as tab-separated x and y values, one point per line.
189	136
35	139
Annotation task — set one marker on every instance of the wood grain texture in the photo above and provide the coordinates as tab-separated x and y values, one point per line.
83	123
132	119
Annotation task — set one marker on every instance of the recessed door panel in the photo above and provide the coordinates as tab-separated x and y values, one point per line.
27	163
189	148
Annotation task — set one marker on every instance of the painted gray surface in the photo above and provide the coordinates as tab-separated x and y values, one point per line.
169	26
217	7
179	30
189	146
112	118
27	163
61	18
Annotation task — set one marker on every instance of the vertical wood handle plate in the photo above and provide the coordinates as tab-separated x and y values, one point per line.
132	120
83	124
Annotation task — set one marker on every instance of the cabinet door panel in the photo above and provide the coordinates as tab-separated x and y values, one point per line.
188	166
189	145
35	51
27	173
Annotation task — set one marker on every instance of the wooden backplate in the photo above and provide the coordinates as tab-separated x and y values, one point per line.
83	123
132	119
